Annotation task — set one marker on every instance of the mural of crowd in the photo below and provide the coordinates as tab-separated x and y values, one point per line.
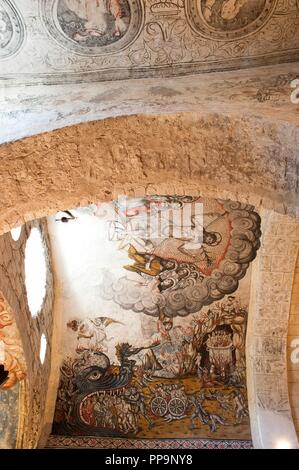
187	376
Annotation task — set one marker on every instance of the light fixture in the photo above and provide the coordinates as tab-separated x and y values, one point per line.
35	271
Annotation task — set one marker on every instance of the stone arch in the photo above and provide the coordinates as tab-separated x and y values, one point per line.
243	158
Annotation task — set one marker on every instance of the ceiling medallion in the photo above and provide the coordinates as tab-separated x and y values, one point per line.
12	29
228	19
93	27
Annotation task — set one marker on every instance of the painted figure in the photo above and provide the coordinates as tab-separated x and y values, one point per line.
91	333
211	419
136	400
229	8
204	247
116	10
240	406
97	16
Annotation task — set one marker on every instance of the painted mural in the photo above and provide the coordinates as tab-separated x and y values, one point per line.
93	27
229	19
12	361
231	14
166	359
94	22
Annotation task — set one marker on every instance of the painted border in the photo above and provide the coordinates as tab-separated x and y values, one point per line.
64	442
167	71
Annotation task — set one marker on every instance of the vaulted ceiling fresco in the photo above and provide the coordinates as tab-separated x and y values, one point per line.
58	41
155	311
70	43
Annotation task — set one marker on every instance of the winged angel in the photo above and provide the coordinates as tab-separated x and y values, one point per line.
91	333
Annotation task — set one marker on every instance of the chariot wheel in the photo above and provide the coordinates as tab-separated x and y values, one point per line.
159	406
177	407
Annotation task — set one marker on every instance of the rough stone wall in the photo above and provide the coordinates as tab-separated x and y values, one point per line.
293	350
267	381
243	159
12	285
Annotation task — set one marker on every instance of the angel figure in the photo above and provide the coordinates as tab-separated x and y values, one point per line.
116	10
204	248
91	333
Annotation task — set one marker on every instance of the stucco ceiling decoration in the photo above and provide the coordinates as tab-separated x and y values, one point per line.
12	29
81	41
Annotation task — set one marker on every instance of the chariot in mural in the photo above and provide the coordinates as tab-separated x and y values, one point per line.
140	394
169	400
